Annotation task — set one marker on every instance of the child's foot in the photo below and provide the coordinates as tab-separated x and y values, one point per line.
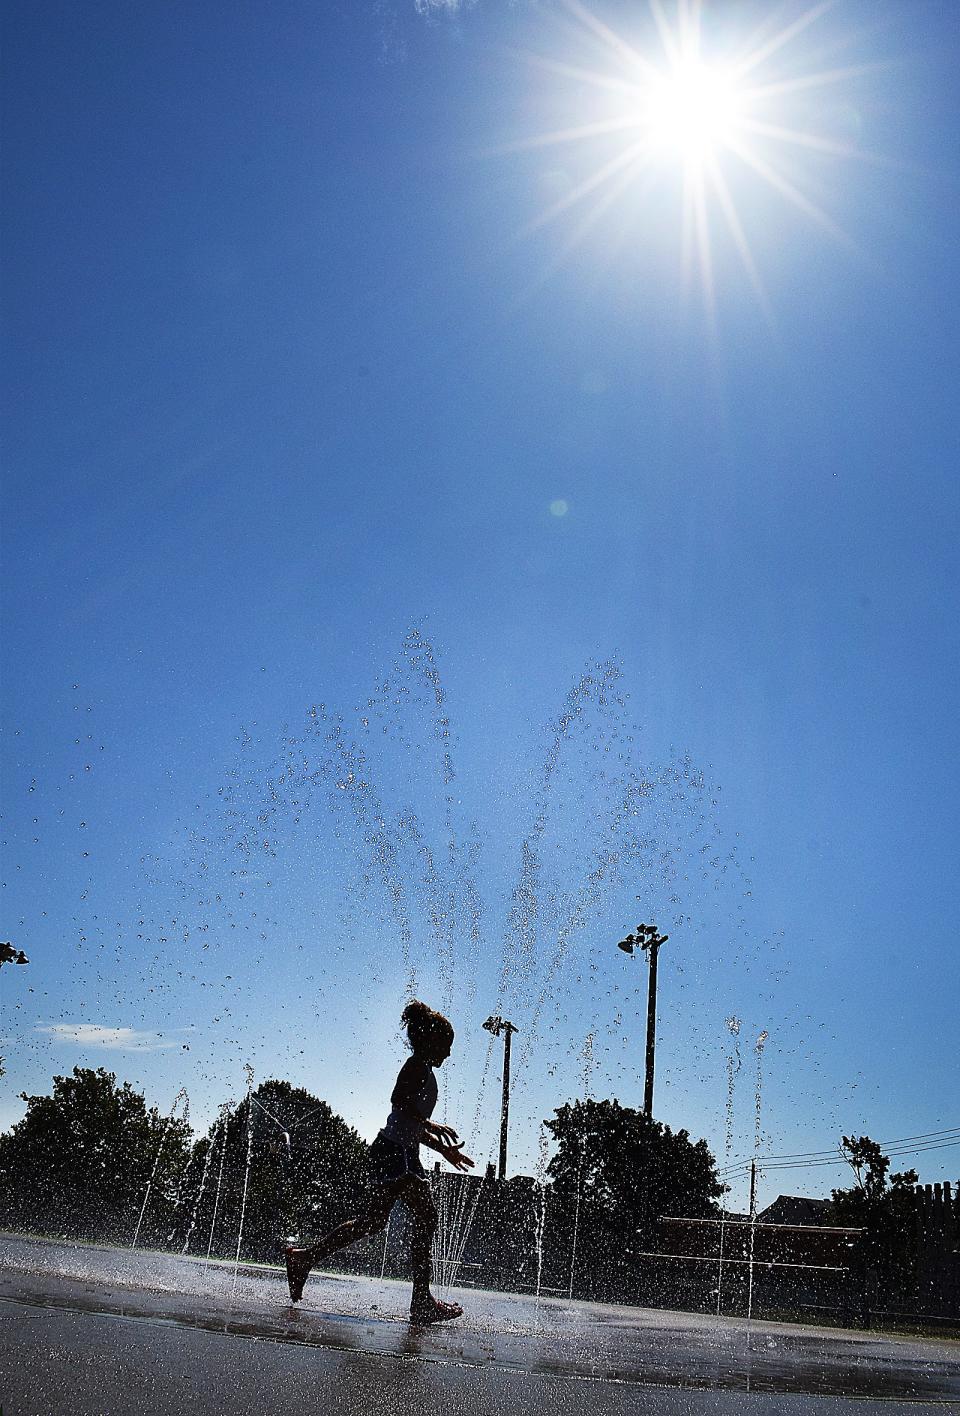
298	1266
431	1310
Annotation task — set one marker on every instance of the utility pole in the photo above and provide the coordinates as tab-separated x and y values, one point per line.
649	940
497	1026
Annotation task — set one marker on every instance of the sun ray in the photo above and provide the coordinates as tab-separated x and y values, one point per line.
792	193
588	185
704	249
739	236
798	138
672	43
820	79
593	77
635	61
686	235
707	114
759	55
589	220
564	136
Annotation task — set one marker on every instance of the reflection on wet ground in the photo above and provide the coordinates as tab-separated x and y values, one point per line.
507	1332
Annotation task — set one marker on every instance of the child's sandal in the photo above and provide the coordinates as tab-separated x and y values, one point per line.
435	1312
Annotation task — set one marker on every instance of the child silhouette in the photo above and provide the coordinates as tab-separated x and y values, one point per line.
395	1168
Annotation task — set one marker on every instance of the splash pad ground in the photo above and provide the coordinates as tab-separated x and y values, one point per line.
603	1351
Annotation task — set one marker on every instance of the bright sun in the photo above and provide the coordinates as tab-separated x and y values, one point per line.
676	109
691	112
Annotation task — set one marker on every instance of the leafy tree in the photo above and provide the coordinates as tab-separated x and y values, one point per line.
79	1161
307	1174
615	1174
503	1235
871	1168
881	1205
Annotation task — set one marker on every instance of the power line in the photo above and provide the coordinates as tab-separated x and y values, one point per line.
813	1156
949	1131
918	1150
837	1162
843	1161
928	1135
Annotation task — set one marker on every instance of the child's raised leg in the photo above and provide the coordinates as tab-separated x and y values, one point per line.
300	1261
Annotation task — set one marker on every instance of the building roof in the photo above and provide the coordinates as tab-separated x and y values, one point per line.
795	1209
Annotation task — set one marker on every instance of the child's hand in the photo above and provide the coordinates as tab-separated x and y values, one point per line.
446	1134
456	1158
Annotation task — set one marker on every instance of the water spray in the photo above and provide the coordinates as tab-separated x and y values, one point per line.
246	1174
733	1068
222	1124
758	1049
181	1097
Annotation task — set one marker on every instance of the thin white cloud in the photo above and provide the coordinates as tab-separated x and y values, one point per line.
434	7
109	1039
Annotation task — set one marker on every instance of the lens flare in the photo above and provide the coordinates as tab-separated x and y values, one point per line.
675	119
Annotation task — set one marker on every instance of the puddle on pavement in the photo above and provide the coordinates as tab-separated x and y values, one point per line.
804	1369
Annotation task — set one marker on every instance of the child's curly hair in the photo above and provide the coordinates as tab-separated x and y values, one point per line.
423	1023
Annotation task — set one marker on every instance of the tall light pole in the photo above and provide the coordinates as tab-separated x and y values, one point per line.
648	939
498	1026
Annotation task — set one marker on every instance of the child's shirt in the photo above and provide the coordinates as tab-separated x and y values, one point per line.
413	1100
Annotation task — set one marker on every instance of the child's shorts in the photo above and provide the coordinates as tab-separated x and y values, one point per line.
389	1161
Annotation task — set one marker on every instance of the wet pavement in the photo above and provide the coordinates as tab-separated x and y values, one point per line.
79	1317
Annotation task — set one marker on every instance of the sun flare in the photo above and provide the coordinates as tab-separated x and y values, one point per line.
720	123
692	112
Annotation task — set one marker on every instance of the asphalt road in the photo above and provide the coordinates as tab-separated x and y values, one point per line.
98	1332
87	1364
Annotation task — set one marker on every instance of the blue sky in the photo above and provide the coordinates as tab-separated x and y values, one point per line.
309	344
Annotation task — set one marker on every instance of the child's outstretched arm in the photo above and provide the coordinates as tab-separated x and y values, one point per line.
452	1153
442	1139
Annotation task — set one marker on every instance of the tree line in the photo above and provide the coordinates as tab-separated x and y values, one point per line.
93	1161
82	1161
